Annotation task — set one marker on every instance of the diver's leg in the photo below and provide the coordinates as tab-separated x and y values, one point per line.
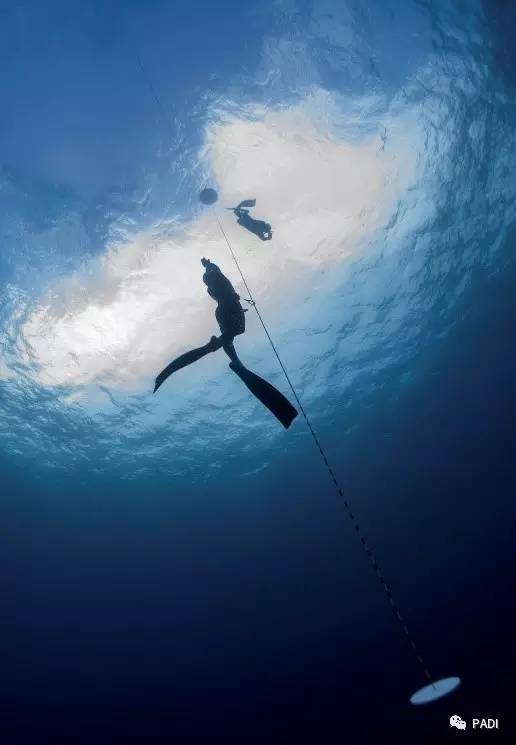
187	359
229	348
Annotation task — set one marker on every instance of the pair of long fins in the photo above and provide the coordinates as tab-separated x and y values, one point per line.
266	393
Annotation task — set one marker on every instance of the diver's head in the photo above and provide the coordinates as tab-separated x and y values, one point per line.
204	261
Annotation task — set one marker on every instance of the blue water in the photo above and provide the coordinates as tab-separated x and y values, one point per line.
178	567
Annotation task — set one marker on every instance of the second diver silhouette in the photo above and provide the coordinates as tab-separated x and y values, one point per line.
259	227
231	319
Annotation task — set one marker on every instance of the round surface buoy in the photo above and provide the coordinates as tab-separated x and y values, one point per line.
208	196
433	691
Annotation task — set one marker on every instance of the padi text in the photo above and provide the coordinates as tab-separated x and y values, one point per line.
485	724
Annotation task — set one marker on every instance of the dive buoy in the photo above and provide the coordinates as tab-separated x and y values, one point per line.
208	196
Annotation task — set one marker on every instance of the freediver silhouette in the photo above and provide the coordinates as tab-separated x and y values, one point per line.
231	319
259	227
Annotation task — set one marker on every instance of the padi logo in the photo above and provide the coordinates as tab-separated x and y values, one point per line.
456	721
485	724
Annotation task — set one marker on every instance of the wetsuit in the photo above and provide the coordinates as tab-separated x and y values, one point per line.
231	319
259	227
229	313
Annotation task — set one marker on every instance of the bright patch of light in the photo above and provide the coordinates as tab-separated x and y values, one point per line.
119	321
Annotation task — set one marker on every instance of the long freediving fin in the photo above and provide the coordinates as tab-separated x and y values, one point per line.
267	394
246	203
187	359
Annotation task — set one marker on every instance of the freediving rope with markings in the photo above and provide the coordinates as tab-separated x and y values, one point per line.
370	554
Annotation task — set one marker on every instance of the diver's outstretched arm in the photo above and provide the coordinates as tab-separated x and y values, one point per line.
187	359
266	393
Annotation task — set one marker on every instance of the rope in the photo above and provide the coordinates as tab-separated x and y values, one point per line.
167	118
370	554
166	114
